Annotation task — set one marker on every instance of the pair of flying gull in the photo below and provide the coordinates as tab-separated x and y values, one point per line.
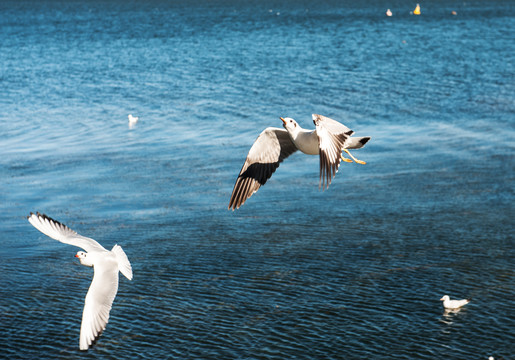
272	146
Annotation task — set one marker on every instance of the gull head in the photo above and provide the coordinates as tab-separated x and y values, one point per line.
84	259
289	124
445	298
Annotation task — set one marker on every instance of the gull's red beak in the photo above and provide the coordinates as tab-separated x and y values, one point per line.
284	121
76	255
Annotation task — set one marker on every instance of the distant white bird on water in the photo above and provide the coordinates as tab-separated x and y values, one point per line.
273	145
453	304
132	120
104	286
388	12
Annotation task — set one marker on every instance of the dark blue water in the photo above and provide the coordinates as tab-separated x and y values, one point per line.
355	272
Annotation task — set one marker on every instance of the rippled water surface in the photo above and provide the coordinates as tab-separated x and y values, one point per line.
354	272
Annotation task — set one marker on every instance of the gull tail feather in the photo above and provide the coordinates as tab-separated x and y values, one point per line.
123	262
356	142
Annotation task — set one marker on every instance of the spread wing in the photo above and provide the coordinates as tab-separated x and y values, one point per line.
332	138
99	300
62	233
271	147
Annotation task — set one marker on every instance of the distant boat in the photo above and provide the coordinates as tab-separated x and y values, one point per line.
388	12
417	10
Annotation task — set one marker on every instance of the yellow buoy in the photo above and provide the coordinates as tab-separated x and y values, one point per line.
417	10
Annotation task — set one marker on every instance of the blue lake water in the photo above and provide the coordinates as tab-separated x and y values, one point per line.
354	272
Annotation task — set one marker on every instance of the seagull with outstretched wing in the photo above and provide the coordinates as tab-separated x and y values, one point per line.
273	145
106	265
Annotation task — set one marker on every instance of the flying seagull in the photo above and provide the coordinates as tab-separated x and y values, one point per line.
453	304
104	286
273	145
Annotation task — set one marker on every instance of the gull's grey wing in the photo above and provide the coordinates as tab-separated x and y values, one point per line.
99	300
331	125
332	138
271	147
62	233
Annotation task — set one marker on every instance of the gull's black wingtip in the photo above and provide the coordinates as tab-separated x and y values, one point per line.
364	140
43	217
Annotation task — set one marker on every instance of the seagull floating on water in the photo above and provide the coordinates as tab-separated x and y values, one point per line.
453	304
389	12
273	145
132	120
104	286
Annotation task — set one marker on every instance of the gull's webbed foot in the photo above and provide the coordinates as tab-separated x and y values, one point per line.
345	159
353	158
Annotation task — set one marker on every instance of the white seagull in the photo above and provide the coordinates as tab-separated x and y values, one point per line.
273	145
132	120
104	286
453	304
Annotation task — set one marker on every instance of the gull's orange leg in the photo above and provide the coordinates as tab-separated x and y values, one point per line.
353	158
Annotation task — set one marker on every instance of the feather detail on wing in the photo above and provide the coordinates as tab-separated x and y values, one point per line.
99	300
332	138
62	233
271	147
